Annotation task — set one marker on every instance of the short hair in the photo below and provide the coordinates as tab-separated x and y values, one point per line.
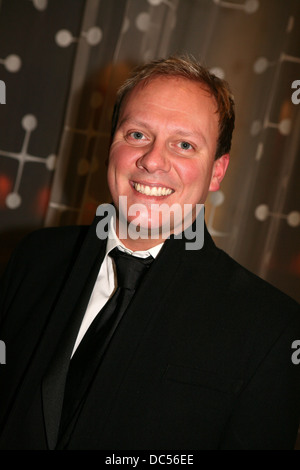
188	68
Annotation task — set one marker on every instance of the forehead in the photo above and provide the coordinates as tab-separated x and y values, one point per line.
173	103
173	94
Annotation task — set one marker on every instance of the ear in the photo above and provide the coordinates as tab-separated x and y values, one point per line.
218	173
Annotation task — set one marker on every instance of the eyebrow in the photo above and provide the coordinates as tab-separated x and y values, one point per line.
176	130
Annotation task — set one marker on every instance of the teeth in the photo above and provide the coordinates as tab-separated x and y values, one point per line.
152	190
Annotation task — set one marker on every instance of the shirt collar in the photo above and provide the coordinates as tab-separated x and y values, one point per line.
113	241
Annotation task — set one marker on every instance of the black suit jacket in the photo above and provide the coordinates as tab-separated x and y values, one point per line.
201	360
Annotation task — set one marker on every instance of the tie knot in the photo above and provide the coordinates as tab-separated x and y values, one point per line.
130	269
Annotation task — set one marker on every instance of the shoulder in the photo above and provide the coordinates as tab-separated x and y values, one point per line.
42	261
240	293
51	247
46	235
228	283
49	244
240	279
246	291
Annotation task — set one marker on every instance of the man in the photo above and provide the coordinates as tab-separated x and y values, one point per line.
201	358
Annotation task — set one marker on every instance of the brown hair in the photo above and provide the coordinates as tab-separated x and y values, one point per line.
189	68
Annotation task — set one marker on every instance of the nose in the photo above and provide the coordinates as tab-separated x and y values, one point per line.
155	159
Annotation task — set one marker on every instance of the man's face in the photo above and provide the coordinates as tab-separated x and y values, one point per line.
164	147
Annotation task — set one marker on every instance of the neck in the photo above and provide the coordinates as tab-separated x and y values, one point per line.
140	242
140	245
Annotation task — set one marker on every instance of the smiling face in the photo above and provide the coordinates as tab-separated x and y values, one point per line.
163	150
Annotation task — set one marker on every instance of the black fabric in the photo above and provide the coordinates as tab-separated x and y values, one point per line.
201	359
130	270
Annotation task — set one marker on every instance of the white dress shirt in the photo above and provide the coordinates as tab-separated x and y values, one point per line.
106	282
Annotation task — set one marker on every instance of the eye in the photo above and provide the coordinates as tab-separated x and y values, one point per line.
136	135
185	145
136	138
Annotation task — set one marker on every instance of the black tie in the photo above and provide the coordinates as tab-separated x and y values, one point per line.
87	357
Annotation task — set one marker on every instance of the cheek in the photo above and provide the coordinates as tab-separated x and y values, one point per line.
116	164
121	158
191	174
195	180
121	163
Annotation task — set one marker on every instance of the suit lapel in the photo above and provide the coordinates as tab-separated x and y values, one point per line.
73	303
